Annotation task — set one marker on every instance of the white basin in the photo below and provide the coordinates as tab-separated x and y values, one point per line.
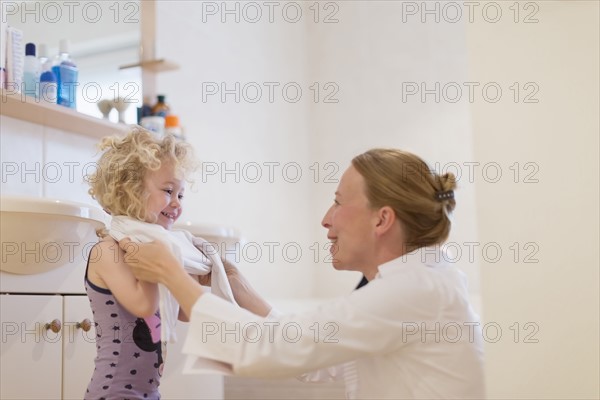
40	234
212	233
226	240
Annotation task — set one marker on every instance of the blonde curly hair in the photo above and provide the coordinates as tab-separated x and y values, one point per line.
118	183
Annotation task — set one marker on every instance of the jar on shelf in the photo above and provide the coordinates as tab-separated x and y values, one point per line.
172	126
154	124
161	108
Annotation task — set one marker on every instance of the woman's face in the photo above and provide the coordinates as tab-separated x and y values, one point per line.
350	224
165	193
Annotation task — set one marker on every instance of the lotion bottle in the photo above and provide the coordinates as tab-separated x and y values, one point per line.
32	70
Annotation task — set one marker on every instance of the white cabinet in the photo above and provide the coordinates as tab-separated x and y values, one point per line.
174	385
37	363
47	348
79	346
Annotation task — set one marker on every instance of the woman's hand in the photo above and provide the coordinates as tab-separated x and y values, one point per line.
154	262
151	262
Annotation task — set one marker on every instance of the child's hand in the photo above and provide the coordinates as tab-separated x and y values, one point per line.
230	269
205	280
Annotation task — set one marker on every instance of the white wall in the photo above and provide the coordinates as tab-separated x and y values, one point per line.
556	217
272	212
375	53
361	61
371	51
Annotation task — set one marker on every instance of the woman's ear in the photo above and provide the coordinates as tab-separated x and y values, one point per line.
386	217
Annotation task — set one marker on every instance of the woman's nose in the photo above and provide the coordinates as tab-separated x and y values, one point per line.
326	222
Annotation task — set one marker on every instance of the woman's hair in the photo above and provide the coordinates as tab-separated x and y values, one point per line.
118	182
421	199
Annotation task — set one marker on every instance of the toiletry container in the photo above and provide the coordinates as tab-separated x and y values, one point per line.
144	111
48	84
154	124
67	73
15	57
161	108
32	70
172	126
42	52
3	35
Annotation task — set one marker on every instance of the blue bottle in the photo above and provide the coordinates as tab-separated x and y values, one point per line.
32	69
66	73
48	85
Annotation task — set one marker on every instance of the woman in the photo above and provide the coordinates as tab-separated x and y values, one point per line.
409	333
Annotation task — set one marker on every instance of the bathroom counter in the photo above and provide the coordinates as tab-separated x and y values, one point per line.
29	109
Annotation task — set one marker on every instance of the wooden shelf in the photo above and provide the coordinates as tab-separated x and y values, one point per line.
31	110
160	65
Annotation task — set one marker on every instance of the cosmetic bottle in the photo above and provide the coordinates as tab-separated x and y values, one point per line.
15	56
172	126
32	70
161	108
66	72
48	85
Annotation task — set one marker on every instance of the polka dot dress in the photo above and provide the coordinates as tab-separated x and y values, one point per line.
129	359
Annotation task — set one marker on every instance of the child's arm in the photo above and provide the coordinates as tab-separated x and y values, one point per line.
108	269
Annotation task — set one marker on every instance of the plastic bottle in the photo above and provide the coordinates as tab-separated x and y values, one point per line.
161	109
172	126
42	51
145	110
66	72
32	69
48	85
154	124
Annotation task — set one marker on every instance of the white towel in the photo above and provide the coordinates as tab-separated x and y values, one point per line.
197	255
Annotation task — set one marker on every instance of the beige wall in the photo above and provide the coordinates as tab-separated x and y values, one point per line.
550	210
375	53
543	207
365	56
265	141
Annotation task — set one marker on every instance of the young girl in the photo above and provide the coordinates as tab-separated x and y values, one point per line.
141	177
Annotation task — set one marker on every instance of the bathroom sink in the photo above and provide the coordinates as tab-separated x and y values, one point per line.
225	239
212	233
41	234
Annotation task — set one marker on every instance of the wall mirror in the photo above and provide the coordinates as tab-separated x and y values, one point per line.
103	35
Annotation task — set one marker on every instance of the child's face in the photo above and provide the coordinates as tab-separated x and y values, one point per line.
165	193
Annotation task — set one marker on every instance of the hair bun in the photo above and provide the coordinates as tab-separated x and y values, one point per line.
447	182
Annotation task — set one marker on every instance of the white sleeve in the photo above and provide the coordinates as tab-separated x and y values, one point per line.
328	374
366	322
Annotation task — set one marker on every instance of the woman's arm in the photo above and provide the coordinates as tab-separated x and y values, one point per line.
108	269
154	262
245	295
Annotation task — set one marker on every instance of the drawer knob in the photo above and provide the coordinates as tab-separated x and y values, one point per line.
85	325
55	326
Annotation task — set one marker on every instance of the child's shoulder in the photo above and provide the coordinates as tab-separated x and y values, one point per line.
106	249
106	243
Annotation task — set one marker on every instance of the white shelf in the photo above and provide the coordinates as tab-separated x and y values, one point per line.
160	65
29	109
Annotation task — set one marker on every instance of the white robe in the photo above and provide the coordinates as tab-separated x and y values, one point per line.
197	256
410	333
